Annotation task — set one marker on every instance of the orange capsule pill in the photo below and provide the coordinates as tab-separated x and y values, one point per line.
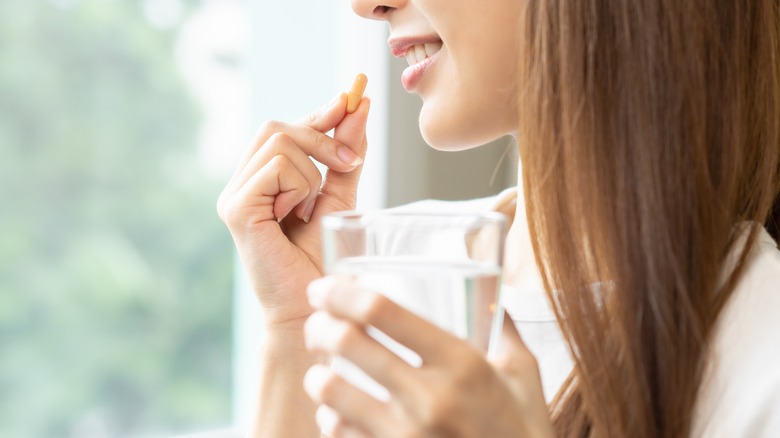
356	92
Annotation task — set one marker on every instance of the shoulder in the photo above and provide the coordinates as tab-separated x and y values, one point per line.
740	394
466	206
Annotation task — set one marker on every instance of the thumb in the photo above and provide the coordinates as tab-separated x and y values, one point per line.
516	363
512	356
520	370
327	117
351	132
510	343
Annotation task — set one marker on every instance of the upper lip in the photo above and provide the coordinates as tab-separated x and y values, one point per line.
400	45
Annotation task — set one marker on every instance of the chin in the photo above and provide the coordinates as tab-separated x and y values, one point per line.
451	135
448	145
446	135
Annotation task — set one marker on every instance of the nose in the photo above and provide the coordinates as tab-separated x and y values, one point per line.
376	9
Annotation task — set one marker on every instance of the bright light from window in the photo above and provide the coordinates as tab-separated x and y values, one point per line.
115	273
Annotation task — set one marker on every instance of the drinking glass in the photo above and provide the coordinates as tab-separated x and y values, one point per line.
444	267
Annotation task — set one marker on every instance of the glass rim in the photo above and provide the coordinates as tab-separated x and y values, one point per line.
358	218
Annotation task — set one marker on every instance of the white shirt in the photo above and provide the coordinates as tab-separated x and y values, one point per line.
740	393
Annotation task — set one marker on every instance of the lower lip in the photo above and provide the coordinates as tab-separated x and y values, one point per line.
413	74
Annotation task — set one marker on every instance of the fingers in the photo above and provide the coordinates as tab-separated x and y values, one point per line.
356	409
281	144
279	184
334	426
352	133
516	363
298	142
324	333
454	393
328	116
309	132
343	298
510	340
352	129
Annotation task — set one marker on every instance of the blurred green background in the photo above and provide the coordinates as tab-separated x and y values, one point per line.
115	273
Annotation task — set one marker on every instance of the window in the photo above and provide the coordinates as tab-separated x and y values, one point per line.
115	273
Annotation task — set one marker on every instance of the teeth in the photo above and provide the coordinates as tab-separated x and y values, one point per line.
410	57
432	48
419	52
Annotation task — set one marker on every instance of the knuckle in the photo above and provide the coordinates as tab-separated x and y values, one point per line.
313	117
280	162
278	139
329	389
441	410
374	307
221	206
269	127
232	212
473	370
318	139
342	200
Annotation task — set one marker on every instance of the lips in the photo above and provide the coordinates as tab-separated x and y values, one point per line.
420	53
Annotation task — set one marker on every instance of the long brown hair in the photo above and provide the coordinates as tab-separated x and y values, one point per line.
648	135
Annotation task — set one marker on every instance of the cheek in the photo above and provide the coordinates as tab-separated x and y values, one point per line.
474	97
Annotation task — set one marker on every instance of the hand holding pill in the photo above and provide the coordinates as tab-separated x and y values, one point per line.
277	190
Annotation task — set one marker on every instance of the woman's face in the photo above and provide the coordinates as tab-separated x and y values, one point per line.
462	57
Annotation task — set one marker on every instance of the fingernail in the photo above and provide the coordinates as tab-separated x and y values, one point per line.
318	291
307	212
347	156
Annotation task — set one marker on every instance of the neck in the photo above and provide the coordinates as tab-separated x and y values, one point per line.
519	263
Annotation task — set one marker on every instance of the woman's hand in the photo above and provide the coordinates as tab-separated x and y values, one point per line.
456	392
276	196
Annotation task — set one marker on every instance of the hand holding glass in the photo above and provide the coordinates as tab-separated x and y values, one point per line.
443	267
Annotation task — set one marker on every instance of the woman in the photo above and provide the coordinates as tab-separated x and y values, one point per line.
650	156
